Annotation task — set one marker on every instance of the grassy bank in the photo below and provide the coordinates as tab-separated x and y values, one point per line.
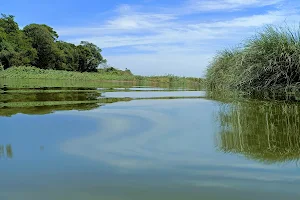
102	75
269	62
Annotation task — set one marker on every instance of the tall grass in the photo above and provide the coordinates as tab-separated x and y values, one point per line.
28	72
269	61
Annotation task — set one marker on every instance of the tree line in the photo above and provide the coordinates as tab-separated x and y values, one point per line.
38	45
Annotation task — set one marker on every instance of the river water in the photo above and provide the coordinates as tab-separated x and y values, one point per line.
130	141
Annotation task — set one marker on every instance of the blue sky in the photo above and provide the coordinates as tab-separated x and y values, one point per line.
156	37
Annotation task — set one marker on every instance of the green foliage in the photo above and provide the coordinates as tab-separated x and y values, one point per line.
116	71
15	47
219	73
26	73
7	22
42	96
67	56
269	61
38	45
184	81
89	57
44	42
1	67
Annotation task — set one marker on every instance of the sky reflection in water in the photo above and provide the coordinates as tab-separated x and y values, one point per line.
148	149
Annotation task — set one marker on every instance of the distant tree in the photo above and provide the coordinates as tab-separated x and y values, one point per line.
38	45
89	57
15	47
43	40
68	56
128	71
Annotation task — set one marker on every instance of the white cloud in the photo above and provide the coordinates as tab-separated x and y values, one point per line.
249	21
165	36
139	21
162	145
213	5
124	8
125	23
175	39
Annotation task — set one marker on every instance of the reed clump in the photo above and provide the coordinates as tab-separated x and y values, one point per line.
269	61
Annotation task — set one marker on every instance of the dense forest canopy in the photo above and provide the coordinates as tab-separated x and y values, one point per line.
38	45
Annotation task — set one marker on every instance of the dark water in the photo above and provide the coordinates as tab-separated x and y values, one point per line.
121	141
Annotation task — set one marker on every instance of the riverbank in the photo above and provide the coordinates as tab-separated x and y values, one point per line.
101	75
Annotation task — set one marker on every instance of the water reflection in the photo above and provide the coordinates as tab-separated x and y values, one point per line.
263	131
142	149
45	100
42	108
49	95
6	151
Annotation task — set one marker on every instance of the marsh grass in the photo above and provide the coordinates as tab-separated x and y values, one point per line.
269	61
28	72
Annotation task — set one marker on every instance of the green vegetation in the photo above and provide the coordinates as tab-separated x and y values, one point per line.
265	131
38	45
36	96
264	66
267	62
36	73
106	74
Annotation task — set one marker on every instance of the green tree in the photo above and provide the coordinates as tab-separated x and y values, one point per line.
43	40
89	57
7	22
15	47
67	56
38	45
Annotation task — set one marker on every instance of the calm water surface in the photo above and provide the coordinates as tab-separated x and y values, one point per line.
122	141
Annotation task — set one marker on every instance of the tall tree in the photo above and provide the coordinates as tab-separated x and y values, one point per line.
67	58
7	22
15	47
38	45
89	57
43	40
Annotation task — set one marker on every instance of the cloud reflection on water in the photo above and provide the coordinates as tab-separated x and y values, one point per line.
169	136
